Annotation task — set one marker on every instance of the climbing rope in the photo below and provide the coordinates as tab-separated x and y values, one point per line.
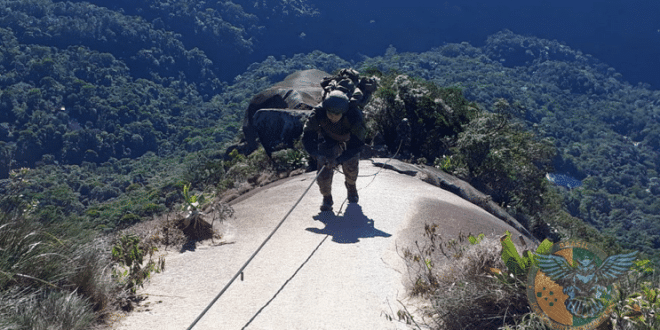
240	271
336	168
368	175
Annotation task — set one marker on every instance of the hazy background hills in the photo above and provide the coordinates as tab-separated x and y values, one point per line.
95	82
109	108
624	34
234	34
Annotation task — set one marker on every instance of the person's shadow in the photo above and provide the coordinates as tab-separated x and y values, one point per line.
347	228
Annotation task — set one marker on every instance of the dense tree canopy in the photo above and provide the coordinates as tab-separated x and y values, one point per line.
108	109
89	85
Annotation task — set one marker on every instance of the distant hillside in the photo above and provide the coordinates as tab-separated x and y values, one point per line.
109	109
92	83
607	131
196	42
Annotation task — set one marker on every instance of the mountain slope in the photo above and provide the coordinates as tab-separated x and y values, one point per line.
320	270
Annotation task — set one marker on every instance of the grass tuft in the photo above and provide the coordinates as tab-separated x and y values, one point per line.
456	276
44	309
47	283
469	297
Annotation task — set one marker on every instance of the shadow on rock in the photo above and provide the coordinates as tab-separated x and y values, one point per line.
349	227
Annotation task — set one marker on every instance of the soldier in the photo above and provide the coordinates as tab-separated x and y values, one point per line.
334	134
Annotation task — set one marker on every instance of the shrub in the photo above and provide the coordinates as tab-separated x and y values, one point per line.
463	291
504	161
129	252
472	282
288	159
638	305
44	310
89	274
152	208
129	219
48	283
432	115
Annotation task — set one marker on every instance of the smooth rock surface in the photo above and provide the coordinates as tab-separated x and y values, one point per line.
336	270
300	90
279	127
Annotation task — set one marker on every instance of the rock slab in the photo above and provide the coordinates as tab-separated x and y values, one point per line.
338	270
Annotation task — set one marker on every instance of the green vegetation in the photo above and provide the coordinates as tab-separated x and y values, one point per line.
50	283
129	253
517	264
94	139
481	282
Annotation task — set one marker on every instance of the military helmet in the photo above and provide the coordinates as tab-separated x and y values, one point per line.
336	102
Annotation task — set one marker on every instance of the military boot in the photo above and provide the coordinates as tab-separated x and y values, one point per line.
327	203
352	193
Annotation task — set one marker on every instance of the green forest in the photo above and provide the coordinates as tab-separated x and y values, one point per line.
106	114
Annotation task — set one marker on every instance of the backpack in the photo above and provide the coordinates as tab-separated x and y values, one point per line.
358	89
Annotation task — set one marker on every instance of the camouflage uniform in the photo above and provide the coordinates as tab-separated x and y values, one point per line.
341	141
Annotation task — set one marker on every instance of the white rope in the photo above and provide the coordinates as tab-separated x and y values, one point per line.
240	271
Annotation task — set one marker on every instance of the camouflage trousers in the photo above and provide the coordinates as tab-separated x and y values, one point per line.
350	169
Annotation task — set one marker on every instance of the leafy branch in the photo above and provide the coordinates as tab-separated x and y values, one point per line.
130	253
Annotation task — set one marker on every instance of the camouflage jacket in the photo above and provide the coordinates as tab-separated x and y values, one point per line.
349	132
